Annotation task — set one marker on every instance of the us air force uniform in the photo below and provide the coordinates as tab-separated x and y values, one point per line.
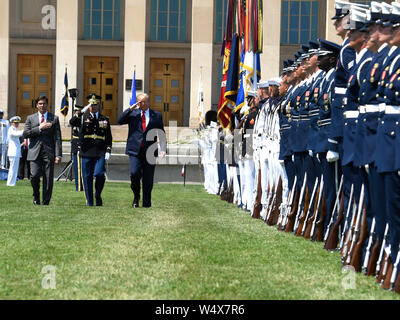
387	158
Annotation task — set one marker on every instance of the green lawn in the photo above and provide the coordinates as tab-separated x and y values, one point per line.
190	245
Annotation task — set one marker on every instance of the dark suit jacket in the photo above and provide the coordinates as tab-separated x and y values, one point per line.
49	139
136	135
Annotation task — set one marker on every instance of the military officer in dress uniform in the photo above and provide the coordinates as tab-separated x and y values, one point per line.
95	142
4	125
371	107
74	151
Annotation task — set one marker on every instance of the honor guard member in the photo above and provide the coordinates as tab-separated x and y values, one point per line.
327	57
371	110
74	151
14	150
258	130
95	142
346	62
299	117
247	152
4	125
358	41
388	144
285	152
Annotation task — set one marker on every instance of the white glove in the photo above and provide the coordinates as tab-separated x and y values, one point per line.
367	168
332	156
107	156
310	153
86	108
398	172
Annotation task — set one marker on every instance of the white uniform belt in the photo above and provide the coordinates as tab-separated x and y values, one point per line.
339	90
372	108
392	109
314	113
324	122
247	136
304	117
351	114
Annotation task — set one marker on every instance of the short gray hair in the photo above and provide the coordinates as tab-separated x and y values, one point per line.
143	95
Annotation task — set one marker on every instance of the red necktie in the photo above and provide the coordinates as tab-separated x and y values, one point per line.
42	119
143	121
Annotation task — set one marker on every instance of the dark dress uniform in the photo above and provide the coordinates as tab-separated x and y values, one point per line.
285	148
388	154
95	139
76	162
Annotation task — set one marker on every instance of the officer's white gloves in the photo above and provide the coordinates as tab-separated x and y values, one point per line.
367	168
310	153
107	156
85	109
332	156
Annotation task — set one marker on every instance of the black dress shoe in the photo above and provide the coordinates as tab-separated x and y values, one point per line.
36	202
135	203
99	202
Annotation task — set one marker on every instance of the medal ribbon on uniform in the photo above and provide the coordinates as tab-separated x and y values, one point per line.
373	71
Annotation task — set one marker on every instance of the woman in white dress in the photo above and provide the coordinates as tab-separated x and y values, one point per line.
14	150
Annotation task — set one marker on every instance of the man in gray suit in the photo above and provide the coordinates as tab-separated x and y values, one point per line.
45	148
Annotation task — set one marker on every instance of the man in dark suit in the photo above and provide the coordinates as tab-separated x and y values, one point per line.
144	127
45	148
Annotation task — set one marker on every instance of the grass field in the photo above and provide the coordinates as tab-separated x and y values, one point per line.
189	245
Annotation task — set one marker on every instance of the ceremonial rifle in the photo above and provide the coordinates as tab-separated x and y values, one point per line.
357	227
387	269
319	227
288	206
296	224
334	209
310	231
369	245
292	214
395	271
303	230
381	253
350	232
300	220
342	237
272	215
268	218
257	202
371	267
356	256
278	202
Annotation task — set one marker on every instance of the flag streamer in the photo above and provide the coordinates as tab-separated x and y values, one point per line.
242	46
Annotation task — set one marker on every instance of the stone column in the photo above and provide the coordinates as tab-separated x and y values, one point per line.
330	29
66	53
270	56
202	54
135	44
4	55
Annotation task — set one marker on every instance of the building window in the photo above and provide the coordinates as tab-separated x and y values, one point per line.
102	20
299	21
220	20
367	2
168	20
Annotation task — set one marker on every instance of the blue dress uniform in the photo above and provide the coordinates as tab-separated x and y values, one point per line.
285	151
299	145
95	139
352	173
322	145
346	61
388	155
371	108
